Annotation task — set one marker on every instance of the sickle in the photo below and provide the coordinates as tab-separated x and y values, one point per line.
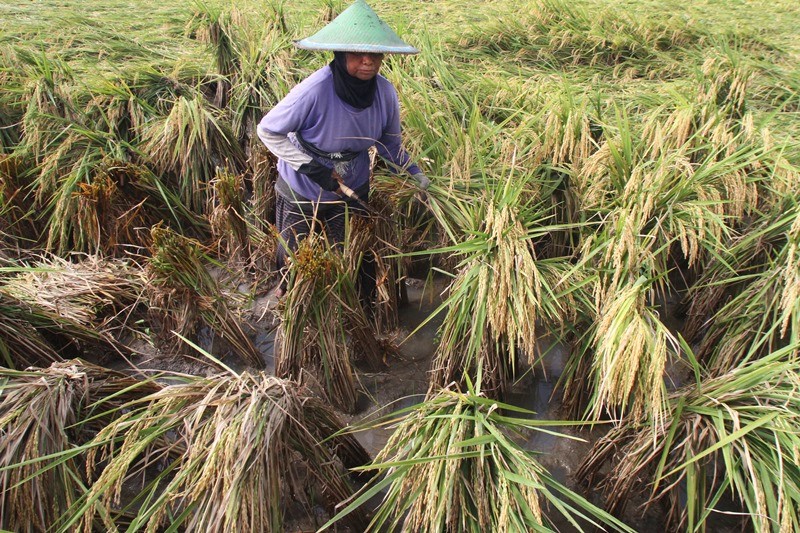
350	193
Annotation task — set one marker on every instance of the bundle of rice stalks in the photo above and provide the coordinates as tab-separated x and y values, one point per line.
262	173
267	70
138	200
406	223
649	206
654	215
189	144
233	452
45	417
450	466
58	309
733	434
724	82
502	291
323	327
374	240
10	112
227	216
630	351
97	294
251	56
183	293
156	88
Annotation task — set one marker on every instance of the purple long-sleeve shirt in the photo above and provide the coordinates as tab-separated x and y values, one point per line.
325	121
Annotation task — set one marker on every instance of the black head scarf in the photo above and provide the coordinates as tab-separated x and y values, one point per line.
358	93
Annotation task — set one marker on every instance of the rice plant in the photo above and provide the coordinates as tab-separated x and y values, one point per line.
114	105
502	290
213	26
189	144
266	71
228	217
746	300
323	328
452	464
653	215
233	452
46	415
374	239
183	294
732	433
49	102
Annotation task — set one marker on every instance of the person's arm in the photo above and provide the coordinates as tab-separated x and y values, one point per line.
280	145
288	116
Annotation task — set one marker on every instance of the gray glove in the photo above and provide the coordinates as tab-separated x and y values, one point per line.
422	180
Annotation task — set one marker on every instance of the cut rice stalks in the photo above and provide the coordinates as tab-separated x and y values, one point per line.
57	309
450	466
46	415
226	453
183	293
373	246
323	327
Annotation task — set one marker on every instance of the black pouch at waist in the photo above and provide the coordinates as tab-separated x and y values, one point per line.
331	156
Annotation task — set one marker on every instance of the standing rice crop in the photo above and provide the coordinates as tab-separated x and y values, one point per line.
652	215
747	301
503	289
189	144
733	433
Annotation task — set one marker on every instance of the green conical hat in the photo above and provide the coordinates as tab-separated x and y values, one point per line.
357	29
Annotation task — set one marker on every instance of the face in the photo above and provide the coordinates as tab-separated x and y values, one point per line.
363	66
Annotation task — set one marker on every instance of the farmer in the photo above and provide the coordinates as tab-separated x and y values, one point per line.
322	130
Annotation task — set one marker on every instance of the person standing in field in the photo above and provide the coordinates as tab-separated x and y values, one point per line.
322	130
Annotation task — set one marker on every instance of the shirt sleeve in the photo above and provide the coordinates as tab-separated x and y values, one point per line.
390	145
287	116
280	145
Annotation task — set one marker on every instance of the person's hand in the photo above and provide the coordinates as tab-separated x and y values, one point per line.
330	183
422	180
336	179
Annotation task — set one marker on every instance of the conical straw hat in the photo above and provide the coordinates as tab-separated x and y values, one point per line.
357	29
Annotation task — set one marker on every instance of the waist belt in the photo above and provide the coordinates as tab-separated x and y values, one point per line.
347	155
